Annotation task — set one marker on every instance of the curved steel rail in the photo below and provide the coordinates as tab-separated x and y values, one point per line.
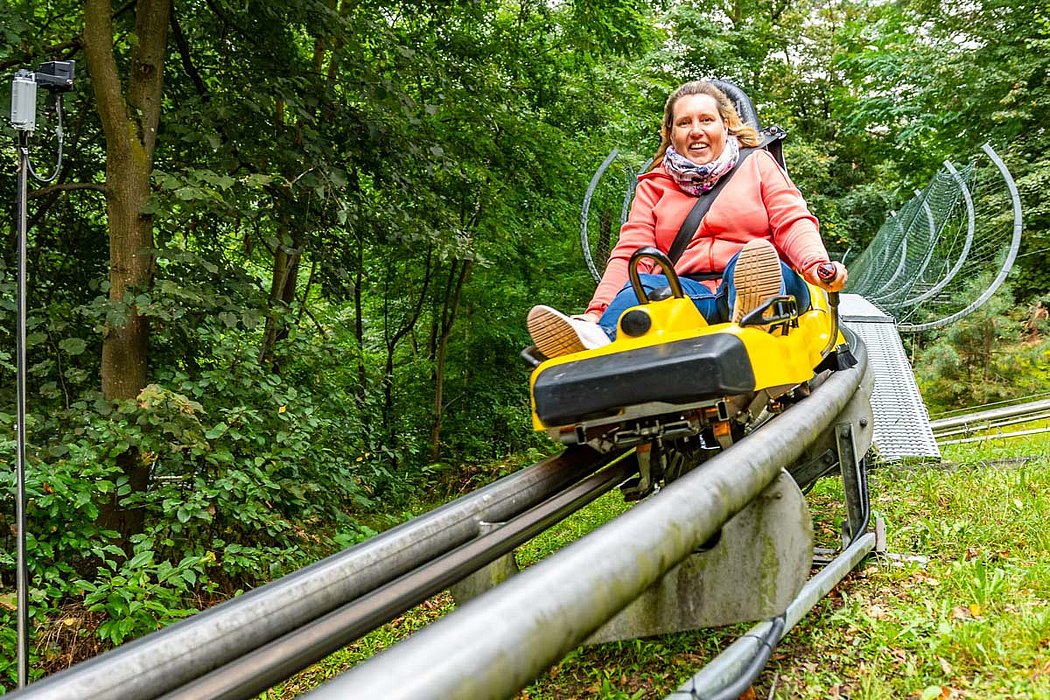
498	642
863	280
586	210
970	227
917	275
1004	269
901	264
632	185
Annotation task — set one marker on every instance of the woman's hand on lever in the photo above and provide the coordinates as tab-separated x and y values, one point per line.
821	276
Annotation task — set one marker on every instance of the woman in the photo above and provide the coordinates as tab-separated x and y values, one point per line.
759	218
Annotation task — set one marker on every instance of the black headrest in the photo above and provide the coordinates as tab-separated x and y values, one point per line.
741	101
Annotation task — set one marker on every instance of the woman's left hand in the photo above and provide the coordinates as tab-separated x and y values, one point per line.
835	284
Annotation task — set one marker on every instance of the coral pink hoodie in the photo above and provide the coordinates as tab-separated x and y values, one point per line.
759	202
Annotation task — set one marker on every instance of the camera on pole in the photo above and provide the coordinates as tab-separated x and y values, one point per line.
56	77
53	76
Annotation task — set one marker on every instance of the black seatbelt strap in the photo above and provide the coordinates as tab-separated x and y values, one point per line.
700	209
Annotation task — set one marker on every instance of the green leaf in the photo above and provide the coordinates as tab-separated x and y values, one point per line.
217	431
141	559
73	346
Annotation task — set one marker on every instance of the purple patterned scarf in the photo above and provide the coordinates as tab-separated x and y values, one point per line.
696	179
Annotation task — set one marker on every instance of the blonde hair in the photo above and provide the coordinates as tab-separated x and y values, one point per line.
747	135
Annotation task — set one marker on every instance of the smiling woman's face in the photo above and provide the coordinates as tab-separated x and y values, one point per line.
698	131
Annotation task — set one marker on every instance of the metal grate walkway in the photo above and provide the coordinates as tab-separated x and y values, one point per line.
902	424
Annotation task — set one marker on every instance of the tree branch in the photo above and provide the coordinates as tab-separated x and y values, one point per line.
67	187
320	328
98	48
73	45
187	60
226	20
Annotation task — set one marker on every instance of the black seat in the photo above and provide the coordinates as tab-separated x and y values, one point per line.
773	135
744	106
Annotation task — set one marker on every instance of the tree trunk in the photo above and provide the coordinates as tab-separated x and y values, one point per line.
450	305
986	359
130	127
282	288
287	257
359	325
394	331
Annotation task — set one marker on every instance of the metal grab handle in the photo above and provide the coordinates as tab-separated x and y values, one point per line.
665	264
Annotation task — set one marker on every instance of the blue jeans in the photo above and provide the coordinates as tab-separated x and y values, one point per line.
713	306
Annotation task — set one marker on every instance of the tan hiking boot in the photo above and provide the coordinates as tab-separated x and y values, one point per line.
757	277
556	334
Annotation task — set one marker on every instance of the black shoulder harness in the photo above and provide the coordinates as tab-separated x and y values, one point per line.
705	200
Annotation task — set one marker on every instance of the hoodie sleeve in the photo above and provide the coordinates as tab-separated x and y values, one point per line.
639	231
795	230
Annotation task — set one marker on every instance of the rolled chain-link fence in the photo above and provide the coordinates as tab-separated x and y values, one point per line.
947	250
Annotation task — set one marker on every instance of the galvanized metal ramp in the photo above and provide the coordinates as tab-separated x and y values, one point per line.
902	424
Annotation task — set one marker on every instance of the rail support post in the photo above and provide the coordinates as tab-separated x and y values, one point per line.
753	569
854	484
489	576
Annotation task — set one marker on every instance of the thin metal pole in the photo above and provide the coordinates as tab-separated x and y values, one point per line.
21	574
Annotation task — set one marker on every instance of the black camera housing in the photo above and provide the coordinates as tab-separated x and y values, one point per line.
56	76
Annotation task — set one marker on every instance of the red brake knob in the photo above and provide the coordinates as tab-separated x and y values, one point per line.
826	271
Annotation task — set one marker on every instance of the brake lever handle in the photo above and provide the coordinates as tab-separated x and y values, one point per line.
826	272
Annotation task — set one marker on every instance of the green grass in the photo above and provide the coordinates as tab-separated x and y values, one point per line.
970	620
369	645
973	622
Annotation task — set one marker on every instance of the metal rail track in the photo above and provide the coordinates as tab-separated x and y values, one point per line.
167	660
996	436
261	669
956	427
1031	410
498	642
512	633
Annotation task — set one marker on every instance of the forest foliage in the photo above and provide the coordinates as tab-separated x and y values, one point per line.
279	284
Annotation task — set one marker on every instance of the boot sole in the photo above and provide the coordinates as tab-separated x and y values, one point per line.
757	277
552	334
